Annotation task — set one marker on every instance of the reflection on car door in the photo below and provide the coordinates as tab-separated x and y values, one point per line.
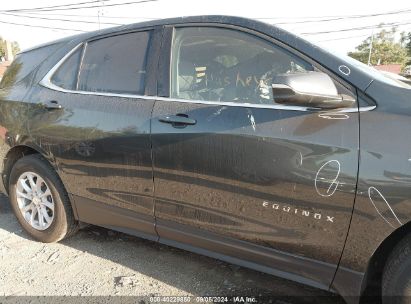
271	186
101	134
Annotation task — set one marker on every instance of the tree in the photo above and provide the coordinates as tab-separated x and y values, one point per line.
385	50
403	38
14	46
408	48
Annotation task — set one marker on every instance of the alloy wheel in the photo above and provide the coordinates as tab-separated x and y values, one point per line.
35	200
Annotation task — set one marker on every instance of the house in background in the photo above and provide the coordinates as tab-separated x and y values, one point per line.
395	71
391	68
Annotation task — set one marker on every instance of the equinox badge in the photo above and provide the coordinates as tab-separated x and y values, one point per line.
291	210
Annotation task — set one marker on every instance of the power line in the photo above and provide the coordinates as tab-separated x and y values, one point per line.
53	6
259	18
262	18
349	37
40	26
58	19
89	16
348	17
368	27
90	6
344	38
39	10
135	2
335	16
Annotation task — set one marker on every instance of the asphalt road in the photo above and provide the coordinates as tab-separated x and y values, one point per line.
101	262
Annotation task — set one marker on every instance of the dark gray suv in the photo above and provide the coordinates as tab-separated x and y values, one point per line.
219	135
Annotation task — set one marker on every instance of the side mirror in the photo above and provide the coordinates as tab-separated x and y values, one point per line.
309	89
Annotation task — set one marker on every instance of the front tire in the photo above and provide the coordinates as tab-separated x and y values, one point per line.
396	279
40	201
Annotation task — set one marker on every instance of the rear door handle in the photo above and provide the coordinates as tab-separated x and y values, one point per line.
178	120
52	104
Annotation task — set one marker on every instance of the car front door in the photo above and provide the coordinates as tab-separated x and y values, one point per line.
95	120
238	174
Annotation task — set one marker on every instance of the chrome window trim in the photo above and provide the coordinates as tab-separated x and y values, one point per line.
46	82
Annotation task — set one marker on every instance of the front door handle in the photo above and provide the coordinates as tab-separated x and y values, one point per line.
178	120
52	104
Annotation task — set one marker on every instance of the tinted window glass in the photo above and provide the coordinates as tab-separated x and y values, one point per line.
115	64
66	75
217	64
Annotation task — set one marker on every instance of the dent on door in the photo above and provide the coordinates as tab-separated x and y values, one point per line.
283	180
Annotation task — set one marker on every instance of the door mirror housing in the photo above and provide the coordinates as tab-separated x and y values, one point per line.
310	89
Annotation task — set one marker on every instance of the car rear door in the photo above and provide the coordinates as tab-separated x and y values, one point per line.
92	113
237	174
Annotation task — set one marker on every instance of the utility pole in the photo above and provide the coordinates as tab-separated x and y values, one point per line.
9	51
371	42
100	12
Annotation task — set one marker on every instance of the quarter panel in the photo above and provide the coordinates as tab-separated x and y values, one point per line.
384	191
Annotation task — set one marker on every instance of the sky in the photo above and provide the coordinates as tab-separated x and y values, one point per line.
299	17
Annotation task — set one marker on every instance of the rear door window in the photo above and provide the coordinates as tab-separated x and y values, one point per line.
115	64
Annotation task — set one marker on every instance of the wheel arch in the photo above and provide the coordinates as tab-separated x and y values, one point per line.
375	267
17	152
